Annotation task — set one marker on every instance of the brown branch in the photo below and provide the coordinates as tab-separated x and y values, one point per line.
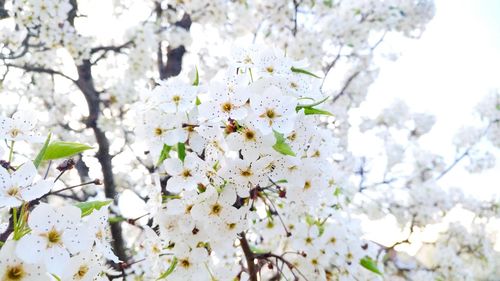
106	49
249	256
85	83
173	66
40	69
10	228
3	13
346	85
296	5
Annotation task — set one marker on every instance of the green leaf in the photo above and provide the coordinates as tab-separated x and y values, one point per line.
300	106
498	106
164	154
370	264
181	151
281	181
169	270
303	71
88	207
198	101
63	149
316	111
281	146
56	277
116	219
256	250
310	220
337	191
196	81
328	3
41	154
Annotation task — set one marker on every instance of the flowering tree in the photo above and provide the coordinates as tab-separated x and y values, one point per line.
236	152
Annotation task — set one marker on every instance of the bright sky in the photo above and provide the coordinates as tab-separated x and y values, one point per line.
447	72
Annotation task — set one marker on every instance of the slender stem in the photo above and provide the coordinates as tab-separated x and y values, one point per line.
59	176
466	152
249	256
47	171
71	187
9	230
11	153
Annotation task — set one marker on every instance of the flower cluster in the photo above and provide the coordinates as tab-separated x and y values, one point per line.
246	157
56	30
44	241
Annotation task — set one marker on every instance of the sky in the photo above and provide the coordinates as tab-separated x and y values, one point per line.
447	72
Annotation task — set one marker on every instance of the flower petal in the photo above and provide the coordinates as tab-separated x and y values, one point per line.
36	190
24	175
31	248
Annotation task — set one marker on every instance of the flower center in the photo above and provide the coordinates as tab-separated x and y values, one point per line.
99	235
14	273
270	69
185	263
186	173
227	106
246	173
82	271
156	249
307	185
54	237
13	191
176	99
188	209
158	131
247	60
270	113
14	132
249	135
216	209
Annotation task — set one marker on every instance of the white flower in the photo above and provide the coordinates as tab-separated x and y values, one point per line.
273	111
174	96
97	224
153	246
245	57
215	209
82	267
212	140
185	175
190	263
55	233
245	174
14	269
20	127
250	142
18	187
272	62
228	100
160	128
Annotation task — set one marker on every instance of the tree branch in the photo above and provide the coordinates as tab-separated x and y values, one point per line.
85	83
173	65
39	69
249	256
346	85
